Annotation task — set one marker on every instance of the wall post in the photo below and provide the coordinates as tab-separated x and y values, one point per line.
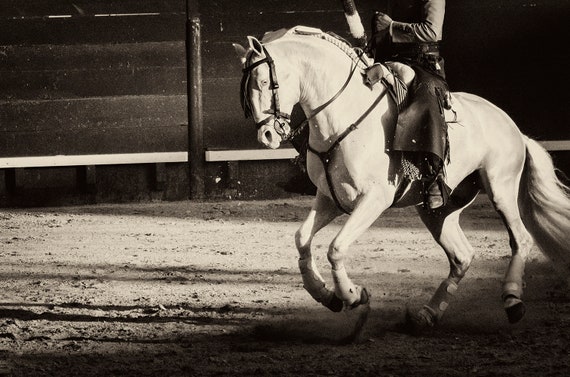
195	112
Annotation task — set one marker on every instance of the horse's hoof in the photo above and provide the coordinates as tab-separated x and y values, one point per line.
335	304
515	309
363	300
361	308
418	322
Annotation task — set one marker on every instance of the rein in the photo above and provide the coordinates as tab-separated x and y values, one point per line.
297	130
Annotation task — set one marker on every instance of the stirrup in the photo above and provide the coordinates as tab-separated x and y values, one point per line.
435	197
435	200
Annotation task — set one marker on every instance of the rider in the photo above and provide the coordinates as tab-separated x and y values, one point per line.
413	37
416	43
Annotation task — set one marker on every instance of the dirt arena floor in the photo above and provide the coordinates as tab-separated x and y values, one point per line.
213	289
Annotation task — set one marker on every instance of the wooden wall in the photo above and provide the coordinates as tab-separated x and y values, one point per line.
513	52
74	80
92	77
109	76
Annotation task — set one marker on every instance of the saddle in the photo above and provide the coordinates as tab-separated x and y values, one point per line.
424	108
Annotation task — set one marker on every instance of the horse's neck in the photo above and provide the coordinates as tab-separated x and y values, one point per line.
324	77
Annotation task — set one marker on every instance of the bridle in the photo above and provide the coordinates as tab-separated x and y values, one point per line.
281	120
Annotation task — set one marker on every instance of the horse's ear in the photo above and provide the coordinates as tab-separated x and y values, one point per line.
255	45
240	51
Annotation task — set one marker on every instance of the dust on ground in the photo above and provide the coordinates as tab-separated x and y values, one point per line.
213	289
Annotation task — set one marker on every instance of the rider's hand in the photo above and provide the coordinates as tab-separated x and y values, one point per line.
381	22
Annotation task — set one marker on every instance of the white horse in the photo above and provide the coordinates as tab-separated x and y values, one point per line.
349	163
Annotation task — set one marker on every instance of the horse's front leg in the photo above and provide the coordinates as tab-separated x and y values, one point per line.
368	209
323	212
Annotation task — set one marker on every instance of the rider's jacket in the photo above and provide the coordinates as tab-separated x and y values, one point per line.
417	21
415	33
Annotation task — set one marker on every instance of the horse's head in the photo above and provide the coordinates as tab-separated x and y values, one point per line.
267	95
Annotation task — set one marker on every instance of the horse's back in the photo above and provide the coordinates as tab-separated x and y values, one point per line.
485	120
483	137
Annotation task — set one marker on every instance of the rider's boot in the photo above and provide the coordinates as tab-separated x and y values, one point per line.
434	193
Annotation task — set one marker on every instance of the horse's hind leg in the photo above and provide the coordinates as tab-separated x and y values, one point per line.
323	212
502	189
444	226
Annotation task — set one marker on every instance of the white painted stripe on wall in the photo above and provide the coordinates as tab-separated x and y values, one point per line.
126	14
556	145
251	154
172	157
92	159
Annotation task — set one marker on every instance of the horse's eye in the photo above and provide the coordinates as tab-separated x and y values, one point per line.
264	82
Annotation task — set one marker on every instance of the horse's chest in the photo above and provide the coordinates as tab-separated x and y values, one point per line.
338	178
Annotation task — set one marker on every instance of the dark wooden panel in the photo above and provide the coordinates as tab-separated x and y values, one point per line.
224	122
164	27
70	71
92	83
97	125
271	8
92	56
513	53
231	28
39	8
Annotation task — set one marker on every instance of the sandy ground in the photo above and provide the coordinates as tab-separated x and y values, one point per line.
213	289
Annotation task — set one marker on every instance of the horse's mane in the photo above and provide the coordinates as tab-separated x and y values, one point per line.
356	54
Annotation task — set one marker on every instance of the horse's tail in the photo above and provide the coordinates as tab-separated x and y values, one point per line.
544	202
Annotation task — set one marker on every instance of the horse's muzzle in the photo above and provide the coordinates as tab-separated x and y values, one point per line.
273	131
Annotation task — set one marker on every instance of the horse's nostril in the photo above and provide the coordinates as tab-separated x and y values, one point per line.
268	136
